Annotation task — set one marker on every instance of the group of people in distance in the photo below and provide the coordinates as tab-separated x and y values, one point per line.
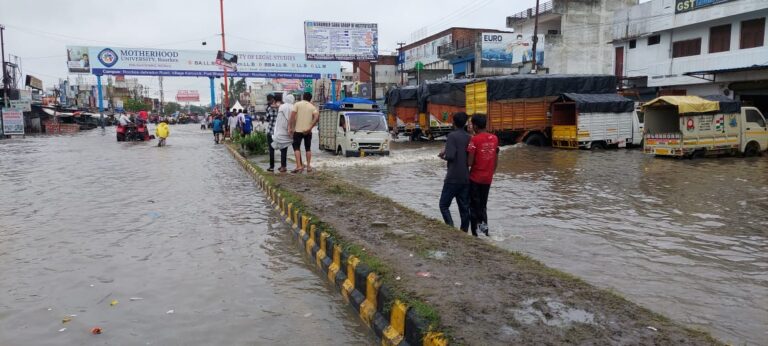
225	125
287	124
472	157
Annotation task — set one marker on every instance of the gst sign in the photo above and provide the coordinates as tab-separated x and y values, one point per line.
690	5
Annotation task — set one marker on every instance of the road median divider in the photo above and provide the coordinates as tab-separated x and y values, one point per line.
388	313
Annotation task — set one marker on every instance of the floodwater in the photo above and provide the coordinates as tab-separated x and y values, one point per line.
178	238
688	239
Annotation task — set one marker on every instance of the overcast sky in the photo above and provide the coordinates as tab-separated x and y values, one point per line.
38	30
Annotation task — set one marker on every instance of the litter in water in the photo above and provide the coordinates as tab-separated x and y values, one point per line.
66	319
652	328
169	312
397	278
135	299
114	302
95	330
62	329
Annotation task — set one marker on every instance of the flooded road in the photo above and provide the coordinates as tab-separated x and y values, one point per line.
178	238
688	239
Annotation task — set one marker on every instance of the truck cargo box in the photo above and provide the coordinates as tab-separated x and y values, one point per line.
593	120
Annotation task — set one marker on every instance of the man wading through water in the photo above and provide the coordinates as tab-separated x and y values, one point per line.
483	157
456	184
304	117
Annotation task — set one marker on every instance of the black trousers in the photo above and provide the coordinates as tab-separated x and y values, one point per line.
478	201
283	154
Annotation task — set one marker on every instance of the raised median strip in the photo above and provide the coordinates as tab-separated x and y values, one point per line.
381	309
415	281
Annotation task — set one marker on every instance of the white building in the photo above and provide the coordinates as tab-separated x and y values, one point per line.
697	47
575	36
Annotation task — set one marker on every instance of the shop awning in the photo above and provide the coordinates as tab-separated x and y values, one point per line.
713	73
697	104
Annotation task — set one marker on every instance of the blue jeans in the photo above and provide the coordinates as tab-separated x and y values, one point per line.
461	193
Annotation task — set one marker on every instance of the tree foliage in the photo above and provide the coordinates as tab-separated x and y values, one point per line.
134	105
235	88
171	107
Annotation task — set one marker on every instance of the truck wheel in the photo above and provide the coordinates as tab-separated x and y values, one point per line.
536	140
339	151
752	149
698	154
597	146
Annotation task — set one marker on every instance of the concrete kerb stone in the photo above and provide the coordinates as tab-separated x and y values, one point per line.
390	319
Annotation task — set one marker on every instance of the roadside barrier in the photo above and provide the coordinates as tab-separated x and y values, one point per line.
391	319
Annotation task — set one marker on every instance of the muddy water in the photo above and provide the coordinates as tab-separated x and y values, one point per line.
85	221
688	239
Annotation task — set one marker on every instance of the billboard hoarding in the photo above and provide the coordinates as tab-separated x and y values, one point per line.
226	60
34	83
508	49
116	61
78	59
13	121
187	96
341	41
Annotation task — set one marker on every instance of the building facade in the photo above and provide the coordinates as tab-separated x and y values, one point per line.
574	35
679	46
444	55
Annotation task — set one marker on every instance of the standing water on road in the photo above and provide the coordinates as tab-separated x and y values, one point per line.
157	246
685	238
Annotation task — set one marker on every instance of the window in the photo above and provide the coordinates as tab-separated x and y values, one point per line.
754	117
720	38
632	44
686	48
655	39
752	33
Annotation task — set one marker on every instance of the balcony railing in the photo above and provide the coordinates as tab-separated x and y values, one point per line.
453	50
528	14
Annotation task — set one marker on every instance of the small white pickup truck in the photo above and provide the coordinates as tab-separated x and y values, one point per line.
352	128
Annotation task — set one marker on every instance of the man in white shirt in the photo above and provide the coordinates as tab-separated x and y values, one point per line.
124	119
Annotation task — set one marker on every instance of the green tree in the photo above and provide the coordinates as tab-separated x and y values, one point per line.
235	88
171	107
198	109
134	105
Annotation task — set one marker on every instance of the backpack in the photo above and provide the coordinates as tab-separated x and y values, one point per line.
248	124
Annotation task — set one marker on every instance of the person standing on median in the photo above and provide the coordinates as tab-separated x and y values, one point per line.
281	138
304	117
456	183
271	117
483	158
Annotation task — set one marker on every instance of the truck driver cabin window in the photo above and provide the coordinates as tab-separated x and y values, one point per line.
754	117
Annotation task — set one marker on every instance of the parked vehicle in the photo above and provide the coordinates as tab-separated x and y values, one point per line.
438	101
353	127
595	121
693	126
403	111
518	106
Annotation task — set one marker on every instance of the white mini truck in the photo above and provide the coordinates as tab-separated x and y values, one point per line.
354	127
693	126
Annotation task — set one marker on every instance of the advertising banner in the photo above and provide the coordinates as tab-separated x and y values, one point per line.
13	121
507	49
25	95
690	5
336	41
23	105
196	63
187	96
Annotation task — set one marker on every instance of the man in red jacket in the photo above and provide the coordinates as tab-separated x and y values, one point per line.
483	158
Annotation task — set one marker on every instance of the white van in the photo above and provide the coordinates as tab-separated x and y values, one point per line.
354	129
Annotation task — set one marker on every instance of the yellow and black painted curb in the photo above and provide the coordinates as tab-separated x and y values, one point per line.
362	288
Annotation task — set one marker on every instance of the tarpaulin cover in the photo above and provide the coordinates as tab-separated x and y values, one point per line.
397	96
451	93
534	86
696	104
339	105
600	103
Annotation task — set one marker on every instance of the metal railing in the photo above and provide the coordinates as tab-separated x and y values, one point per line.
529	13
453	49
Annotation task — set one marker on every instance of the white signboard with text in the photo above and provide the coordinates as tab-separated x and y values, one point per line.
24	105
336	41
13	121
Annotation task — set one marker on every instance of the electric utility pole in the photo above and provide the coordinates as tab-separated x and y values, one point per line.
5	80
162	98
535	37
402	64
224	48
